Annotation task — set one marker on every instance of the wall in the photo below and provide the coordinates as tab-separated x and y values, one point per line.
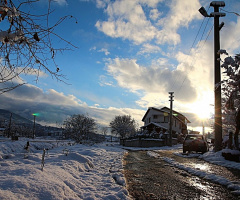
145	142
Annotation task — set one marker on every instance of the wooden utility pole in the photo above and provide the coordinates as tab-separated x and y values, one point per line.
217	77
217	70
170	123
10	125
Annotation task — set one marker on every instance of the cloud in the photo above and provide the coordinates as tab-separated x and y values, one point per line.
11	77
180	15
149	49
127	20
61	2
230	36
56	107
103	81
102	3
105	51
154	79
154	14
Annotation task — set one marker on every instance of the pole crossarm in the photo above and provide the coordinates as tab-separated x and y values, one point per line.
217	14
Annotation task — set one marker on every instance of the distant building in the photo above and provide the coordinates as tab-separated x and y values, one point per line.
2	131
159	119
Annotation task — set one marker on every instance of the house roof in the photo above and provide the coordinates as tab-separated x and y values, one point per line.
155	124
162	110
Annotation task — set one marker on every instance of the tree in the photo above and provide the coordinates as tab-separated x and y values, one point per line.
26	43
231	94
104	130
78	127
124	126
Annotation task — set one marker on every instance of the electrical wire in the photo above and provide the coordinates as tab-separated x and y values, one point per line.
194	60
230	12
178	76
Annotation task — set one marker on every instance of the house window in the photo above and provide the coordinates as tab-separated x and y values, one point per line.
155	116
175	123
165	119
149	119
180	126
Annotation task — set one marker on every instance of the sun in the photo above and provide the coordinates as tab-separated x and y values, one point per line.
203	107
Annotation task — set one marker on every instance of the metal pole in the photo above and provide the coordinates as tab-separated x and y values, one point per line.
34	119
10	125
170	124
203	131
217	80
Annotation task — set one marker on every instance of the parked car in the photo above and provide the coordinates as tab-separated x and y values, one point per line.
195	142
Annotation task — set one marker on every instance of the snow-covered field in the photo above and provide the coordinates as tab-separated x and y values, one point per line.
69	172
79	171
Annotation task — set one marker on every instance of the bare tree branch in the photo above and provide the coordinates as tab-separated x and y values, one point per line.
26	42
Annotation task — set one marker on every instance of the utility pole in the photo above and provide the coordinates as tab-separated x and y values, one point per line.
218	98
170	124
217	70
203	128
10	125
34	119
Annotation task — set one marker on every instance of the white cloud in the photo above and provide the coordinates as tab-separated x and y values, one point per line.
102	3
180	15
54	106
31	71
103	81
154	14
93	48
150	3
148	48
105	51
153	79
61	2
127	20
198	66
230	36
12	77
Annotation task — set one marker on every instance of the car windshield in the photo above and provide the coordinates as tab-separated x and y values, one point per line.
194	137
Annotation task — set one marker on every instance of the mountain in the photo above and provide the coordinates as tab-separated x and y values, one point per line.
16	119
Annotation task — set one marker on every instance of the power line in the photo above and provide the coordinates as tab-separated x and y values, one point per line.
230	12
178	76
194	60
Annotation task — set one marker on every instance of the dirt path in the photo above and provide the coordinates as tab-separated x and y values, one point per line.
150	179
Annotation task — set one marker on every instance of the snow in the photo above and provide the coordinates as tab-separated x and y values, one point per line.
78	171
70	171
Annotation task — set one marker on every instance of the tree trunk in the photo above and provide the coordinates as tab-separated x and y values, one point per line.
237	119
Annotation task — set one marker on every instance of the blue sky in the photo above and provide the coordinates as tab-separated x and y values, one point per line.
129	55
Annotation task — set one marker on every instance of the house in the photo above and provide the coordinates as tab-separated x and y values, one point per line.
2	131
158	120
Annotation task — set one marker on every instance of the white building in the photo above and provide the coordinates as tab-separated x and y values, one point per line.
159	120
